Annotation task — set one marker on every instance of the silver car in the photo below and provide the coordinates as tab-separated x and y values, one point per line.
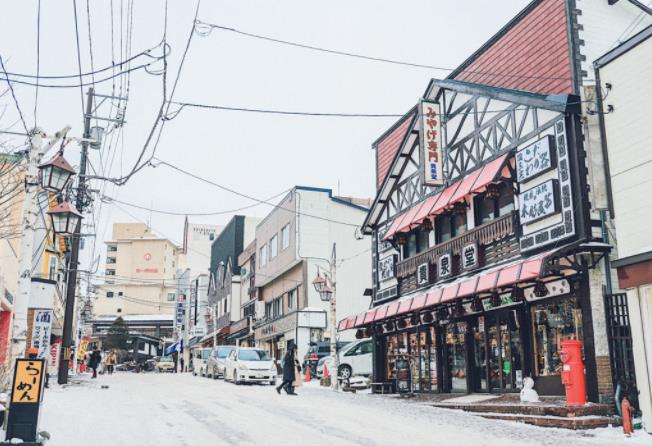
216	360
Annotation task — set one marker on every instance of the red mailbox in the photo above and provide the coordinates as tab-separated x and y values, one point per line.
572	375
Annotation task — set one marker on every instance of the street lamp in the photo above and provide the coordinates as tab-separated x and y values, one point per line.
55	173
326	287
64	218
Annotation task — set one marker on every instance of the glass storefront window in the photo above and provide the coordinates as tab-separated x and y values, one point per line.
455	340
553	323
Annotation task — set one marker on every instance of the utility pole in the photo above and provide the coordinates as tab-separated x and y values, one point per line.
30	214
73	263
333	318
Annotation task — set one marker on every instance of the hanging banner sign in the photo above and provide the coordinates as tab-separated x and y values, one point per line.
535	159
41	330
431	143
539	202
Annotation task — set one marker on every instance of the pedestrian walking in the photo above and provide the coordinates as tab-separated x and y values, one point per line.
181	362
288	372
94	361
111	360
297	374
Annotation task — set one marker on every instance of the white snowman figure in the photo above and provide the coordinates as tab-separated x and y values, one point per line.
528	394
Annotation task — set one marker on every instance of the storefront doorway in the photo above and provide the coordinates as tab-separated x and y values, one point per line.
505	353
455	372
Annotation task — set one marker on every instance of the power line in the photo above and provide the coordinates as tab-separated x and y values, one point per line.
38	57
13	95
79	64
204	29
241	194
109	200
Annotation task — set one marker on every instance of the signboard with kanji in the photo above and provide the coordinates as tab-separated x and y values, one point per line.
539	202
431	143
535	159
26	394
42	328
445	265
469	256
27	381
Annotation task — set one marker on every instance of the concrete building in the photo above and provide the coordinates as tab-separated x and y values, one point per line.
224	282
624	75
293	242
140	273
196	251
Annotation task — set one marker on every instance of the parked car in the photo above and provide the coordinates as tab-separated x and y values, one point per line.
355	359
249	365
316	352
164	364
199	360
216	361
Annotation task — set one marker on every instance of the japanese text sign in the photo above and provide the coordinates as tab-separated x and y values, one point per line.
41	330
535	159
445	265
431	143
469	257
27	381
538	202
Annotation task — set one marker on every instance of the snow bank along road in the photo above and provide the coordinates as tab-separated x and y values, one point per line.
182	410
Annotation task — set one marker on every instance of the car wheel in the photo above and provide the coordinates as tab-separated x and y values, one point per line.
214	375
345	372
236	381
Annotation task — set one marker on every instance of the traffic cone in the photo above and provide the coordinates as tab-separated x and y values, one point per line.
308	374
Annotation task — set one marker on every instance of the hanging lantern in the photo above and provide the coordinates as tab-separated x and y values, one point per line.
389	326
55	173
496	301
401	324
476	305
426	226
359	334
325	292
427	318
517	294
64	218
401	239
459	208
492	192
540	289
414	320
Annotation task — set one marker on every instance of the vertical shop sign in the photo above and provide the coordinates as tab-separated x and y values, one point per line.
470	258
431	150
42	328
444	265
26	393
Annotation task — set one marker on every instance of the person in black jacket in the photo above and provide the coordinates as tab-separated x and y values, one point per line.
288	372
94	361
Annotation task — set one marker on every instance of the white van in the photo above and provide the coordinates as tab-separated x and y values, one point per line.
199	360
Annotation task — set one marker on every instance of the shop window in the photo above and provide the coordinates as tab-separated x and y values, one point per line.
449	226
499	203
553	323
416	241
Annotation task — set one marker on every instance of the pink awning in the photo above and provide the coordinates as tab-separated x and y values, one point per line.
392	309
350	322
509	275
531	269
359	320
369	316
433	297
466	186
445	198
381	313
450	292
342	325
424	211
487	282
490	173
394	227
468	287
418	302
404	306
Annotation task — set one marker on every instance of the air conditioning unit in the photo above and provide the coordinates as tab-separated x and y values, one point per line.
422	274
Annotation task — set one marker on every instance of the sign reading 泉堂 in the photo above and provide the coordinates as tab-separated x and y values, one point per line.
41	330
535	159
26	393
431	143
538	202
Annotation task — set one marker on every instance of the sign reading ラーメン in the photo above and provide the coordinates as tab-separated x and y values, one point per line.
431	153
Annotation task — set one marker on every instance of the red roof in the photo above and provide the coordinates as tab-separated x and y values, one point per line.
387	148
532	55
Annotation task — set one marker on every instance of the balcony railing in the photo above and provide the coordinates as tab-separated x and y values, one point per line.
483	234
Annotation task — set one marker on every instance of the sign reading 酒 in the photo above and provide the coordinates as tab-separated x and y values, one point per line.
535	159
538	202
431	150
41	330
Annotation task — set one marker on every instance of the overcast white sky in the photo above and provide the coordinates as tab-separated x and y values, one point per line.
260	155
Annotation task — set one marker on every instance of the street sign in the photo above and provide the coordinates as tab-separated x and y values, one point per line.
26	394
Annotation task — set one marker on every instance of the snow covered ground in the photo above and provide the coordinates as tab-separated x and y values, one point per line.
180	410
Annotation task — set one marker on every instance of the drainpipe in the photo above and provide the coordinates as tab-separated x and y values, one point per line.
607	260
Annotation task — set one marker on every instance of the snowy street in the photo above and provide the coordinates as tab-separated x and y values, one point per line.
169	409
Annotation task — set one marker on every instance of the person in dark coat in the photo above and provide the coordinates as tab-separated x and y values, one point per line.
94	361
288	372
